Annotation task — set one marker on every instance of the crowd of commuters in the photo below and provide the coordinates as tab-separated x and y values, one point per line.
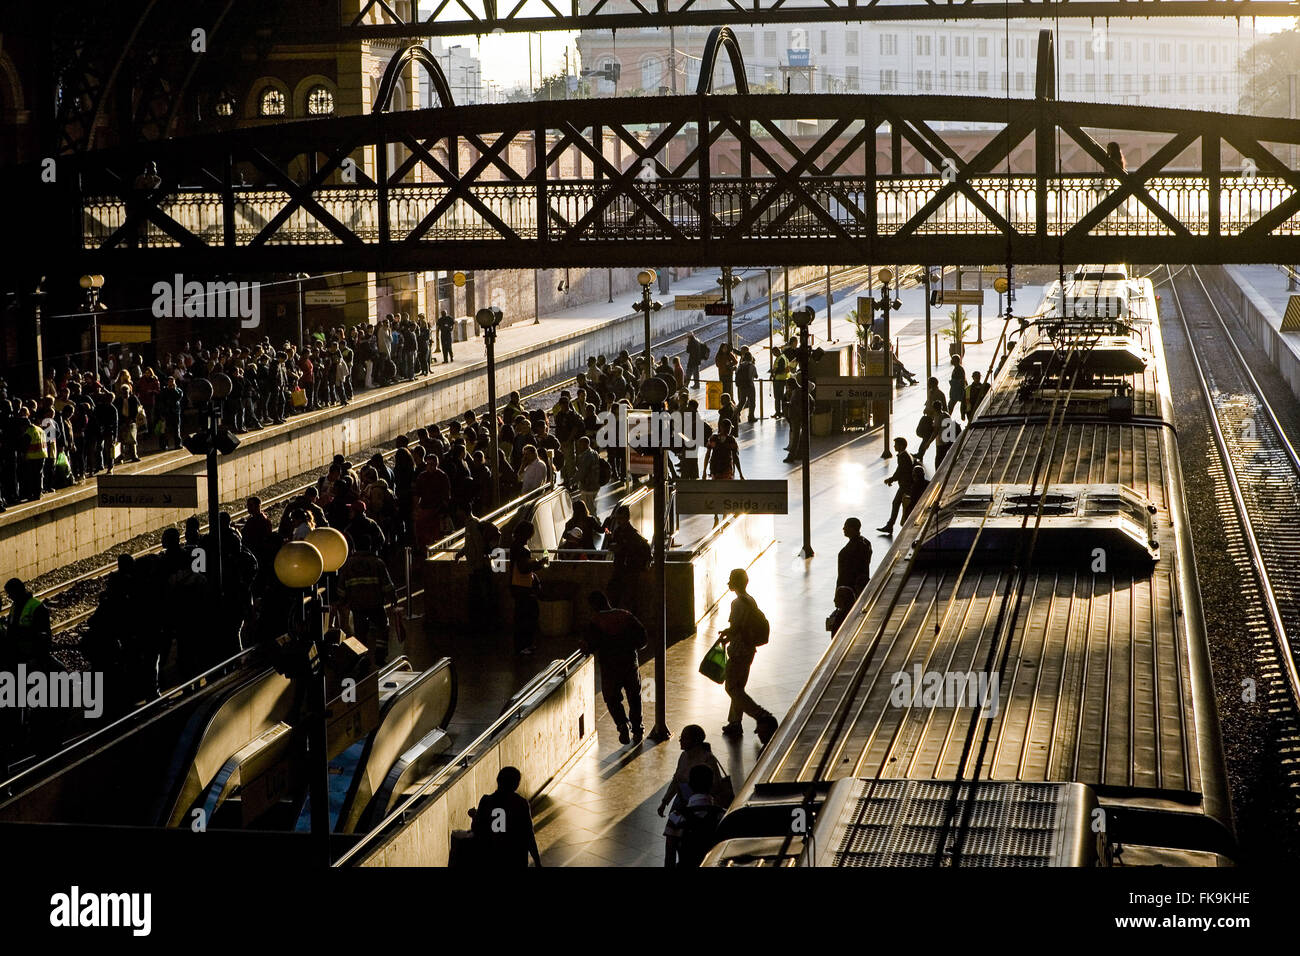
87	420
161	618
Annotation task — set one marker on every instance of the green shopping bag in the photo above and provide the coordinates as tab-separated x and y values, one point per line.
714	665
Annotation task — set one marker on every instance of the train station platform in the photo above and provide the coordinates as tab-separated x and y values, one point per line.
68	526
1260	295
602	812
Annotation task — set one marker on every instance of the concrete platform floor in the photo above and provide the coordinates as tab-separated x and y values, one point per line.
603	811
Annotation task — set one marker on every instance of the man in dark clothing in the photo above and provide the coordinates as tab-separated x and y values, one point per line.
446	327
615	636
855	559
105	417
523	588
746	384
695	352
632	555
366	589
25	638
503	826
167	407
794	404
903	477
919	484
27	635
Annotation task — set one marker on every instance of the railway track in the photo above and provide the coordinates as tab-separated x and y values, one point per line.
1257	479
72	602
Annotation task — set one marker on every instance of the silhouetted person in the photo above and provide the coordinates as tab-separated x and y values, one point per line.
843	604
700	818
903	477
615	636
854	567
746	631
503	826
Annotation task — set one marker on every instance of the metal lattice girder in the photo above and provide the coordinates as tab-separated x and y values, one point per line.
479	17
539	188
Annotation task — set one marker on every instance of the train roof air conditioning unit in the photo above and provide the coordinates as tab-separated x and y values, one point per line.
923	823
1079	525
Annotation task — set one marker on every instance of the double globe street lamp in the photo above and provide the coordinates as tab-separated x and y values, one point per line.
300	566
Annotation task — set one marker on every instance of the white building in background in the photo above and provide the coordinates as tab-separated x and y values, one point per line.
1184	63
464	74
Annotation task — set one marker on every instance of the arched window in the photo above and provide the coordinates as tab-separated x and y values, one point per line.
652	73
271	102
320	101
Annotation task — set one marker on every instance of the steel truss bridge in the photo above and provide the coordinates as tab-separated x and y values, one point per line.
540	190
378	19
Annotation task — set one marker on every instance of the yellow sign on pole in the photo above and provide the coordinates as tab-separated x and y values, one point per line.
125	333
713	395
458	280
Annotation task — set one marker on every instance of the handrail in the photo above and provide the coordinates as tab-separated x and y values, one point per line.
443	545
11	786
462	760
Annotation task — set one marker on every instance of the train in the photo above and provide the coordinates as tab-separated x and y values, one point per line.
1025	681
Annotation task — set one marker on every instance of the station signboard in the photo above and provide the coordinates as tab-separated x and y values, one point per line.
960	297
148	491
694	303
732	496
857	388
326	297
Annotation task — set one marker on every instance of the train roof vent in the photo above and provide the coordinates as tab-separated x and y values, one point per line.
868	822
1056	349
1081	525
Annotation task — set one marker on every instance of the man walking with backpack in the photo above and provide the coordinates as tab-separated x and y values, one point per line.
747	630
696	352
615	636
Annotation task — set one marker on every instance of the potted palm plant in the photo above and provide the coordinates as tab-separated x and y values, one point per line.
957	332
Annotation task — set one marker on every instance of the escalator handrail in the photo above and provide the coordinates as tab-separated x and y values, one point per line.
16	783
367	842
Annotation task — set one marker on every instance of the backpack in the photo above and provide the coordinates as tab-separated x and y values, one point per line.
606	472
925	427
757	627
704	351
723	458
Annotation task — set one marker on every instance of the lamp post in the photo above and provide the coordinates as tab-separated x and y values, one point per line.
92	286
887	305
646	278
652	394
803	318
488	319
300	276
300	565
206	395
38	295
728	283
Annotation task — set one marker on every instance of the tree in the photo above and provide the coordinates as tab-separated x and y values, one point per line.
1266	70
557	86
